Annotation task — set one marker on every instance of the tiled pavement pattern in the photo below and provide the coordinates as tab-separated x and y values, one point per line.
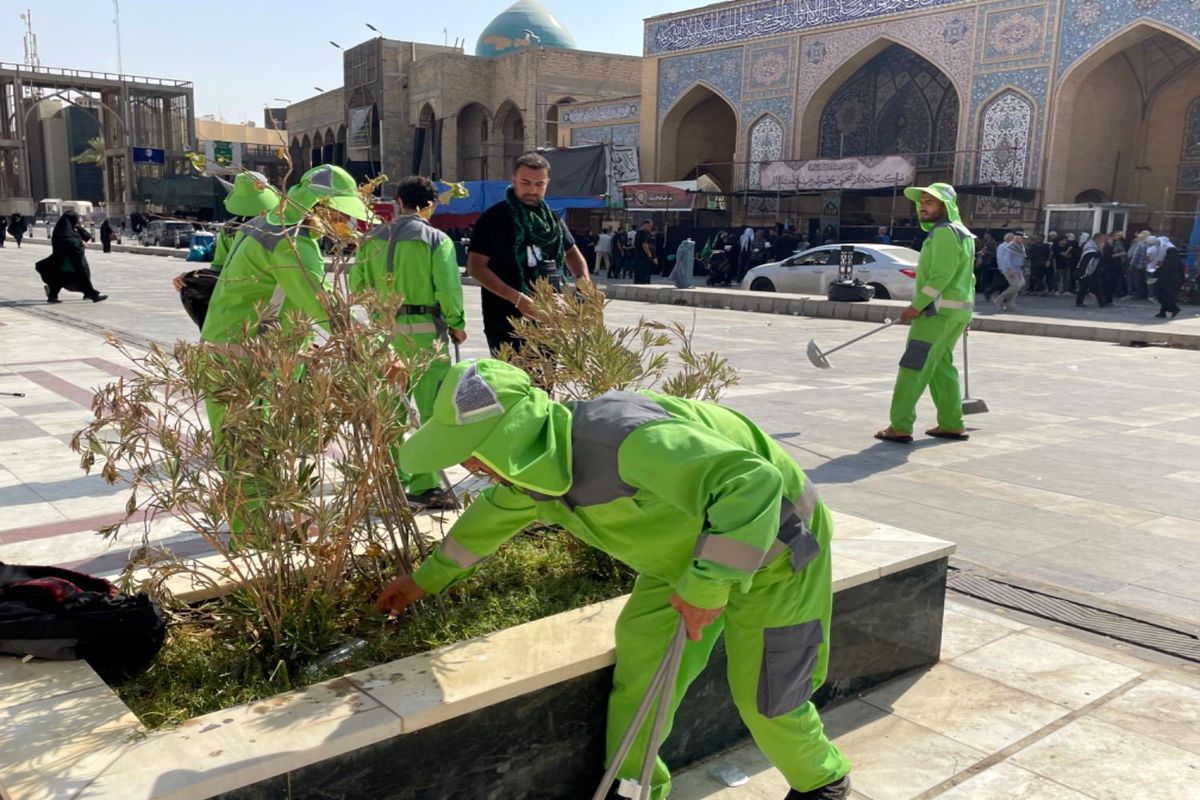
1014	711
1084	475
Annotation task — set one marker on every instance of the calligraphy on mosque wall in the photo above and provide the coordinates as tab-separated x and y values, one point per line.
863	172
767	18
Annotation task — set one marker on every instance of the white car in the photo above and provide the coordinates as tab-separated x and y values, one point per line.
891	269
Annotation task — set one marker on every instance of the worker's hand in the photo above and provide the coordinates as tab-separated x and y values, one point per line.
458	336
524	304
177	281
909	314
694	619
399	595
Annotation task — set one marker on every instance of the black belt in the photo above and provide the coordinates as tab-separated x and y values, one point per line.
435	310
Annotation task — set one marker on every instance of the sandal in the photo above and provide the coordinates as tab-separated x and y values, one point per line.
958	436
889	435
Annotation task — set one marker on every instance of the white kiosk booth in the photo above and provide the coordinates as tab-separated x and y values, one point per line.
1089	218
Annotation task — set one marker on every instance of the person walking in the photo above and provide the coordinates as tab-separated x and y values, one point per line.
1139	259
3	229
1010	259
745	243
604	252
1120	267
644	253
67	266
939	313
106	236
17	227
728	535
1168	278
1107	272
1088	271
1041	269
410	258
516	242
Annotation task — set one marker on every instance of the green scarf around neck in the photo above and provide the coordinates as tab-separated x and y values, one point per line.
538	227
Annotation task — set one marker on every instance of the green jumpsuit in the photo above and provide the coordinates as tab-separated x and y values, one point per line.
410	257
945	293
695	498
272	270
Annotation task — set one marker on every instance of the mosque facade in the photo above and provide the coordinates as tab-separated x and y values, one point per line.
1078	100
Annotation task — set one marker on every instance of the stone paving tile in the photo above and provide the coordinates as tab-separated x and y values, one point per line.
1112	763
1011	783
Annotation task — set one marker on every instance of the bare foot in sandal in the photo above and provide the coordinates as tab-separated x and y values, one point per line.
890	434
942	433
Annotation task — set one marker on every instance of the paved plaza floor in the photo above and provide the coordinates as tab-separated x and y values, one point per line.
1082	479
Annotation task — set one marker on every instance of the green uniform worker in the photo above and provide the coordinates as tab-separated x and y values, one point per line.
940	312
723	527
410	257
249	195
275	266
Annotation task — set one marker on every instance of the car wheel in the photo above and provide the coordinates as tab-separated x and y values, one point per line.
762	285
881	292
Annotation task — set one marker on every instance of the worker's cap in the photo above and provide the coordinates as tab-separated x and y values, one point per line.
1019	232
941	191
250	194
476	401
332	186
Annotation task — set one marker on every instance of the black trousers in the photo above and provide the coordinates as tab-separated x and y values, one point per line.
1089	284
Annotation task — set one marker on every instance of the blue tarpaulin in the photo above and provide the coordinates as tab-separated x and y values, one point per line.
485	194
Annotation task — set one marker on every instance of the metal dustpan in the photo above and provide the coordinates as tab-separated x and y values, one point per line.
820	359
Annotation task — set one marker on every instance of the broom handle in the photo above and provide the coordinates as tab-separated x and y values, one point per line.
887	324
966	367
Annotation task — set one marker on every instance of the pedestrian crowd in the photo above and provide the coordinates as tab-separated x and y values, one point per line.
1107	266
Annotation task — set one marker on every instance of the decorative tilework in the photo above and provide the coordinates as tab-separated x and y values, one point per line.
925	35
1086	23
1006	128
608	112
719	69
1015	34
766	144
754	20
769	69
779	106
1189	178
606	134
1032	81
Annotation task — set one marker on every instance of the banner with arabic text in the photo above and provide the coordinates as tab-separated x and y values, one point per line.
823	174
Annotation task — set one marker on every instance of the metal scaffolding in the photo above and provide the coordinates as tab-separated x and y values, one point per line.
133	113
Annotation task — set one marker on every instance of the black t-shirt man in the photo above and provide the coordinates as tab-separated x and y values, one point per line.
495	237
643	241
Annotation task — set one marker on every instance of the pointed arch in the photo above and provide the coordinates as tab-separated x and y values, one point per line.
684	155
1119	66
764	142
1005	128
508	133
473	125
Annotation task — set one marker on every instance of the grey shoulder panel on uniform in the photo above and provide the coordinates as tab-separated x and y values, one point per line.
410	228
598	429
263	232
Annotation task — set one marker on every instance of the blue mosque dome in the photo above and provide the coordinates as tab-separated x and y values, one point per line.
506	33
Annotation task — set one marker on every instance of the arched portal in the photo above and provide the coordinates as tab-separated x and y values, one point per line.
318	148
296	154
509	133
896	103
425	144
473	125
305	160
1120	121
699	137
339	148
327	154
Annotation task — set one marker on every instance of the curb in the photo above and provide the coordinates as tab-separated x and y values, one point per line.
879	310
161	252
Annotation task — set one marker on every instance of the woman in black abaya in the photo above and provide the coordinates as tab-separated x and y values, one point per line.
67	267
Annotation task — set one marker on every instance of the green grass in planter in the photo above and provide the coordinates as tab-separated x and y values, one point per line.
202	668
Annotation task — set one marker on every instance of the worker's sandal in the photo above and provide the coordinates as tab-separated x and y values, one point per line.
838	790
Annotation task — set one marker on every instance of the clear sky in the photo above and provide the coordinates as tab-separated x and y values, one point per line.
242	55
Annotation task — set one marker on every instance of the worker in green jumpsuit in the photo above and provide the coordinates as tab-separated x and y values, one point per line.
275	267
411	258
250	195
722	526
940	311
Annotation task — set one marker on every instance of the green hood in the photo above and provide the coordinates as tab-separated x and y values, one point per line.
945	193
490	410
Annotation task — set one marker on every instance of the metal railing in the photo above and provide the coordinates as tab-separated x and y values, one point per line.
92	75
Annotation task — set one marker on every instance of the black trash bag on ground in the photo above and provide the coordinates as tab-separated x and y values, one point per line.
854	291
59	614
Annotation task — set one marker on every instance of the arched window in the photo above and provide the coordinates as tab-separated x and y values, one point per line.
1004	130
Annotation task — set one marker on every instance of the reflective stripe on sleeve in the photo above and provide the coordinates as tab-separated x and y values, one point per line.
415	327
460	555
955	304
929	291
730	553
